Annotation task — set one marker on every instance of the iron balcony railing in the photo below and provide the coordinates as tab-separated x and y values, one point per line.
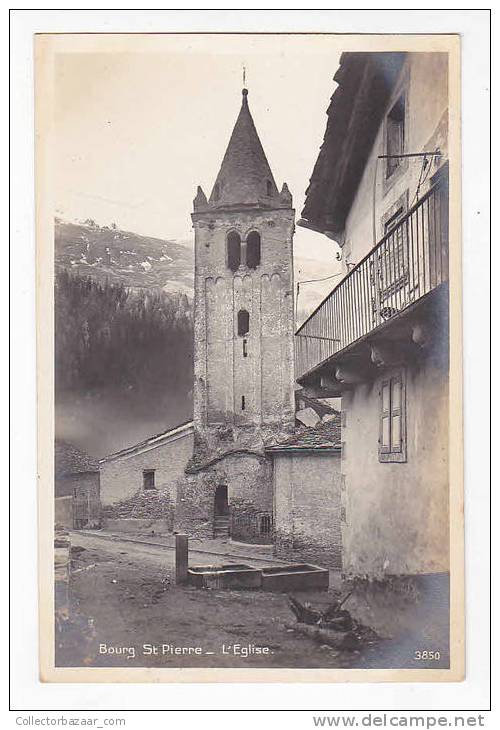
407	263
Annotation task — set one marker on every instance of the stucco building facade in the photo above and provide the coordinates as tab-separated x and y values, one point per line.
380	190
307	495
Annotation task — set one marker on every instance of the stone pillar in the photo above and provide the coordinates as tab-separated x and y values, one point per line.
181	559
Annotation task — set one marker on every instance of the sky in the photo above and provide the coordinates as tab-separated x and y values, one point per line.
139	125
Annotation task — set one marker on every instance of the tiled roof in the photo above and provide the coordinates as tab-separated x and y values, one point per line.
69	459
324	437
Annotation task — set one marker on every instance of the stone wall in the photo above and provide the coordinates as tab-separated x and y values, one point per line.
63	512
66	485
307	507
154	505
396	514
83	489
225	370
122	476
248	477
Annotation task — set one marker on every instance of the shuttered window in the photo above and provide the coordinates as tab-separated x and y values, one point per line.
392	436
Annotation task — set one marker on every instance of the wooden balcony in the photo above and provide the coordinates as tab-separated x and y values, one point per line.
408	263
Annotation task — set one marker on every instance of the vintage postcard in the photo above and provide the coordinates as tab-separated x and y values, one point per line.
249	357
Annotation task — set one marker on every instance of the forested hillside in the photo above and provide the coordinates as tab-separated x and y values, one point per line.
123	361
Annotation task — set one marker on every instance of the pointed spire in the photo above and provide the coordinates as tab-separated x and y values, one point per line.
201	199
245	177
285	194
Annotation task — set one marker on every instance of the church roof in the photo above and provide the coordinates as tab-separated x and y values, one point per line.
245	178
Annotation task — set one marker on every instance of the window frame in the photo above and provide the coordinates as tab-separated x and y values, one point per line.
253	250
390	453
243	314
392	267
233	250
392	165
401	90
148	471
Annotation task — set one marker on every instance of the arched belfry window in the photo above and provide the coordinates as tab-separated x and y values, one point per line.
253	250
243	322
233	250
269	187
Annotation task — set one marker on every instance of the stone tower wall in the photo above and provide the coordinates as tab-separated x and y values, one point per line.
223	375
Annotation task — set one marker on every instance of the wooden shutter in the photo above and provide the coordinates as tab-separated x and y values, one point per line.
396	414
392	438
385	417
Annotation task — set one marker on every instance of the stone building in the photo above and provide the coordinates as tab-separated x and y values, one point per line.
260	462
243	355
76	487
139	483
307	504
379	340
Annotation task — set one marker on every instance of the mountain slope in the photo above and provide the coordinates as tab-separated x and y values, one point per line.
123	257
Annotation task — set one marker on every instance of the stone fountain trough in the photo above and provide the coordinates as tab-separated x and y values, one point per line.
278	579
301	577
225	576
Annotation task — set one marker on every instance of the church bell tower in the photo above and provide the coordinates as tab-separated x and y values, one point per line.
244	311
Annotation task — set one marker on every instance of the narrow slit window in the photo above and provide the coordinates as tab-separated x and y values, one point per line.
242	402
245	348
243	323
395	136
148	479
233	251
269	188
253	250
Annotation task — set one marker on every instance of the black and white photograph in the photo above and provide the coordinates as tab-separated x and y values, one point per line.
250	404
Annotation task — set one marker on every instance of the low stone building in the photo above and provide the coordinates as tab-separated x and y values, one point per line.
76	487
139	482
307	495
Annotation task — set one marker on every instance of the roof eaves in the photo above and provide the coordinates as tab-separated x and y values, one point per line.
354	115
160	439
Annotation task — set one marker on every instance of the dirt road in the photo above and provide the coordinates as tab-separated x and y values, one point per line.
126	611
